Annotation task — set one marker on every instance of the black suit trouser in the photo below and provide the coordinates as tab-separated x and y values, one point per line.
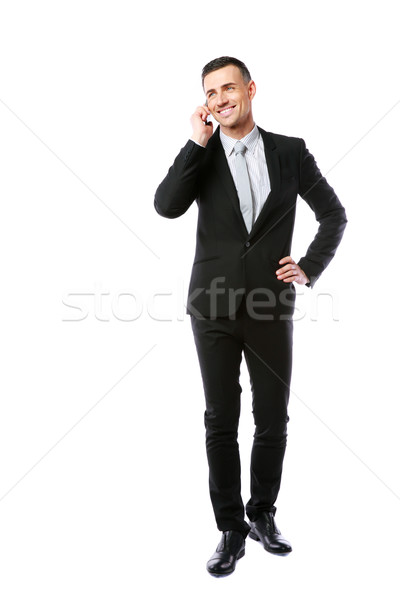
267	347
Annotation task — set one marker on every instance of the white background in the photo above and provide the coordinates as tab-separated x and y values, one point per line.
103	471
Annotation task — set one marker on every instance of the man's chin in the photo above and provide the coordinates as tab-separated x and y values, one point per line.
226	122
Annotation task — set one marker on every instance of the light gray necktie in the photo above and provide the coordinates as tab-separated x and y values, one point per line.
243	185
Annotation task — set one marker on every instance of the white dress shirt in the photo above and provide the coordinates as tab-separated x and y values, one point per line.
256	166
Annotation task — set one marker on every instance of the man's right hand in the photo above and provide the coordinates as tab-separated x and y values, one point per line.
201	131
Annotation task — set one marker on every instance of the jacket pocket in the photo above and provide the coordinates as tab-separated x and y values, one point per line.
202	260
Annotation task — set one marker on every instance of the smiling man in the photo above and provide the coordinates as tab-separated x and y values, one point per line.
229	94
241	298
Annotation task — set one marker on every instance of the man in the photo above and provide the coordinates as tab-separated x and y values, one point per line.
241	295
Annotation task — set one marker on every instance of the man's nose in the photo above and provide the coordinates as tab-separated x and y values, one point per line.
221	98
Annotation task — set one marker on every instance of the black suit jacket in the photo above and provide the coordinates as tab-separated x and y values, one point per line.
231	263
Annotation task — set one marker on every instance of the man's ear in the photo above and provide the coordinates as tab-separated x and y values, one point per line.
251	89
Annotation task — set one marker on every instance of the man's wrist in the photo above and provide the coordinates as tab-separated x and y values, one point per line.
196	142
200	139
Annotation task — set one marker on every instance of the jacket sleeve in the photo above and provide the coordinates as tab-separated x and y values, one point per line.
329	213
179	189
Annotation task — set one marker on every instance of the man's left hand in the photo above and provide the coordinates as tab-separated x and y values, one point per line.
291	272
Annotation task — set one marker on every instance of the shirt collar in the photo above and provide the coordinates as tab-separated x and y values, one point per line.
250	141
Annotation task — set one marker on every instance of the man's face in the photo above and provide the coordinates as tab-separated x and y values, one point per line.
229	99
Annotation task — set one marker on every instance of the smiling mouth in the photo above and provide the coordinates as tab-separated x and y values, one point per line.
225	112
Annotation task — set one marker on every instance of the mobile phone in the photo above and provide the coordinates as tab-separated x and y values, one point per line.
206	122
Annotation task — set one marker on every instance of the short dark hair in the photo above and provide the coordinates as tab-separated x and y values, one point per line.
224	61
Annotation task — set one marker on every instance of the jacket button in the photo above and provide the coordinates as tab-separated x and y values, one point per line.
247	244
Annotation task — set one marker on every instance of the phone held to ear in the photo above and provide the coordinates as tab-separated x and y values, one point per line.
206	122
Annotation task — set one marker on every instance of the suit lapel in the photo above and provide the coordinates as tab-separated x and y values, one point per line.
224	174
272	158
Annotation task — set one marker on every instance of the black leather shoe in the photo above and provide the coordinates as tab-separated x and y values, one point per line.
264	530
228	552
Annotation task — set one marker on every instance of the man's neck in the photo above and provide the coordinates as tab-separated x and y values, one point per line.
237	133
